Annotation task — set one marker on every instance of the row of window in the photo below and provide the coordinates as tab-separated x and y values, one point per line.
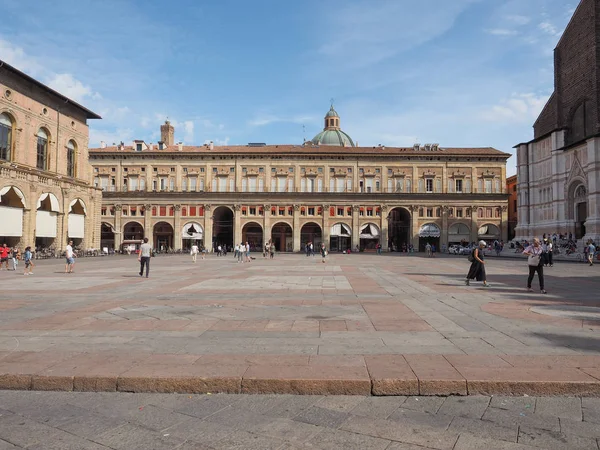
42	160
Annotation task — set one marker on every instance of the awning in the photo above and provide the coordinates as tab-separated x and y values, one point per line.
369	231
54	205
340	229
45	224
80	202
192	230
132	241
12	221
430	230
76	225
5	190
488	231
459	228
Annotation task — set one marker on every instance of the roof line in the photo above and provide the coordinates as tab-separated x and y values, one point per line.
90	114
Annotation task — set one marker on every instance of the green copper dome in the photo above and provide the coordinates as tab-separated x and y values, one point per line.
333	137
332	134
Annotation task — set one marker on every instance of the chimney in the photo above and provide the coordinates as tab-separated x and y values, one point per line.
211	146
180	146
102	144
167	133
151	146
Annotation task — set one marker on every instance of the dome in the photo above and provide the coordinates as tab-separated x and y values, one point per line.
333	137
332	113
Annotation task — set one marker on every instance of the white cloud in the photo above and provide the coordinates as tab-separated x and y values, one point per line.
502	32
110	136
549	28
224	141
519	108
268	119
188	127
16	56
518	19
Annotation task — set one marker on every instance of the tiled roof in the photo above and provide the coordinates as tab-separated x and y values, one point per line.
314	150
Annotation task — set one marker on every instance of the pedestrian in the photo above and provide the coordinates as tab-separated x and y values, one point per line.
312	249
219	251
323	252
272	250
247	253
549	252
194	252
144	258
591	252
535	262
428	250
70	258
241	249
307	249
16	255
203	252
433	249
477	269
4	251
28	260
236	252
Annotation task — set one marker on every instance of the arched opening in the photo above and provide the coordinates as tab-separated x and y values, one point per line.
489	232
42	149
76	221
163	236
46	221
340	238
6	137
311	233
71	152
578	199
252	233
133	235
459	234
192	233
107	238
429	234
369	237
398	229
12	203
282	237
222	227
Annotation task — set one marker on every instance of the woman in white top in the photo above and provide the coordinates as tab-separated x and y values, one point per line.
535	261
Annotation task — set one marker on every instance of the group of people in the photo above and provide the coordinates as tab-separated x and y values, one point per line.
14	255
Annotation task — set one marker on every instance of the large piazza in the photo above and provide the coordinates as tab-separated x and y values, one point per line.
325	190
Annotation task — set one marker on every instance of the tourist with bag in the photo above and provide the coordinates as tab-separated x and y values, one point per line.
477	269
535	262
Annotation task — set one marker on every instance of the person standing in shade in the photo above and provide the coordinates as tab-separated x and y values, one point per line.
428	250
70	258
247	251
477	269
535	261
323	252
240	252
272	250
16	255
144	259
28	260
194	252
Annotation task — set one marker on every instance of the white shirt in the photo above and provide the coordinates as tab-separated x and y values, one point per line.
242	248
194	249
69	253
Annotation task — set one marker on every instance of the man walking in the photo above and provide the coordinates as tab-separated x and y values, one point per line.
70	255
144	259
591	251
4	251
194	252
428	250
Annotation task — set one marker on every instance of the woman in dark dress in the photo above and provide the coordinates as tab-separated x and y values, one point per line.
477	269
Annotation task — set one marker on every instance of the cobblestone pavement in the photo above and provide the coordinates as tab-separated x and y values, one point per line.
358	324
94	421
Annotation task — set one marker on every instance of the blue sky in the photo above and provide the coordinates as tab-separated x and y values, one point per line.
460	73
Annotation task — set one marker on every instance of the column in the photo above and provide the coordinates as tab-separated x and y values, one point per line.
119	226
383	236
27	233
504	224
148	225
414	221
208	228
237	224
474	227
355	226
266	224
296	231
326	226
444	236
177	228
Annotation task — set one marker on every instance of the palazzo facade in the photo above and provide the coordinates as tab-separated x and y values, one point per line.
325	190
46	191
559	170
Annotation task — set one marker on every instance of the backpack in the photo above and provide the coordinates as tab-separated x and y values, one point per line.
471	257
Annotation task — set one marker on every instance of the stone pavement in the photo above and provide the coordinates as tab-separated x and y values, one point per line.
94	421
358	324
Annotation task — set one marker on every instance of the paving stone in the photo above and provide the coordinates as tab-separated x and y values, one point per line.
204	406
7	445
343	403
564	407
66	441
484	429
287	430
90	425
132	437
199	431
403	446
467	441
322	417
418	418
336	439
292	405
423	404
24	432
242	440
591	409
585	429
510	419
519	404
377	407
472	407
552	440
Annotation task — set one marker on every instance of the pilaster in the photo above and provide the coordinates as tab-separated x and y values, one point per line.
208	228
383	236
414	221
474	226
266	224
444	236
119	226
296	229
326	226
355	226
177	228
237	224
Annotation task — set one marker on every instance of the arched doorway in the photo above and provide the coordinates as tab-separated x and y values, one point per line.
222	227
282	236
192	233
369	237
459	234
579	201
429	234
340	237
163	236
489	232
107	238
76	221
311	232
46	221
133	234
12	203
253	234
398	229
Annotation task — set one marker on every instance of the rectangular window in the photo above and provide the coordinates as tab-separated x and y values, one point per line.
244	184
349	185
369	212
429	185
193	184
261	185
163	211
193	211
390	185
133	183
459	212
311	211
252	184
340	211
282	211
163	184
172	184
459	186
42	153
138	147
103	211
377	186
281	184
408	185
488	186
202	184
125	211
369	185
184	184
340	182
253	210
429	212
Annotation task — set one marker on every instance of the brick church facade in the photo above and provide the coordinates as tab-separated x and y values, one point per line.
559	170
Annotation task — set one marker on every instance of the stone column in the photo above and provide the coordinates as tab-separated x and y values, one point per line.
326	226
119	226
474	227
414	221
27	233
237	222
148	231
383	235
208	228
296	230
355	226
177	228
504	224
444	236
266	224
